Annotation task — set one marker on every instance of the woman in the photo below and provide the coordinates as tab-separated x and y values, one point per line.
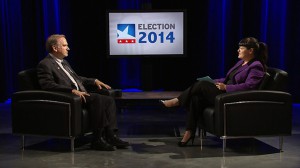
246	74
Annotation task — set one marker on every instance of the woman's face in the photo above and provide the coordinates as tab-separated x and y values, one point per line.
245	54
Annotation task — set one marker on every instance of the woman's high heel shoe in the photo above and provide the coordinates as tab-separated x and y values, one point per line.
183	144
169	103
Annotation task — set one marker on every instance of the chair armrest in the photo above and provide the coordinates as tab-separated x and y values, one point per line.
253	113
45	95
104	91
41	112
253	95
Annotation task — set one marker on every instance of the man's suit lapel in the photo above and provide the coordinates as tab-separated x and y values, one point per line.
58	69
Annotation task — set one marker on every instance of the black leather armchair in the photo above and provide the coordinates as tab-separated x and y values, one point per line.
263	112
47	113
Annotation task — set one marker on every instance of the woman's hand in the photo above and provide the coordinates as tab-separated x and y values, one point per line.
221	86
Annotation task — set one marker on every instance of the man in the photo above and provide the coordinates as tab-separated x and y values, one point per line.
55	74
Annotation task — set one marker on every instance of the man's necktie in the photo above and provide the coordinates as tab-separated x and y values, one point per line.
74	75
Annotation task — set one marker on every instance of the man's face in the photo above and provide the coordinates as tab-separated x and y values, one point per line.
61	48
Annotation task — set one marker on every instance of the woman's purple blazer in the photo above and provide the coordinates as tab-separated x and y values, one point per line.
247	77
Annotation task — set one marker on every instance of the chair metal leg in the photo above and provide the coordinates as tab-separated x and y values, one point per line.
201	131
22	142
280	143
223	162
201	137
72	144
224	144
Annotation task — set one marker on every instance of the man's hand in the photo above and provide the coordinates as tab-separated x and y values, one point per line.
81	94
100	84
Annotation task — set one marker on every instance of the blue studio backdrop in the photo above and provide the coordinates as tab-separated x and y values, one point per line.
214	28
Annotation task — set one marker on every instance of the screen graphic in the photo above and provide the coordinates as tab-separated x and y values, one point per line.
146	33
126	33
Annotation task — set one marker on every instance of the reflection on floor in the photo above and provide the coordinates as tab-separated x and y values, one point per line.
151	132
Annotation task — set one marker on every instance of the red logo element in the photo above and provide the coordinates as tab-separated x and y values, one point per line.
126	41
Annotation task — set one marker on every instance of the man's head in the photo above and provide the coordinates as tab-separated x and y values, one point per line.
57	45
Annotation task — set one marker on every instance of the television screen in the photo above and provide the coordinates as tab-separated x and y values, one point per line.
146	33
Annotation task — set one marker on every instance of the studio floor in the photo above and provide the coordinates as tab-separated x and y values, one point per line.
151	133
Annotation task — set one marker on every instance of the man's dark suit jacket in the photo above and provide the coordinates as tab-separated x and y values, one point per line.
52	77
102	108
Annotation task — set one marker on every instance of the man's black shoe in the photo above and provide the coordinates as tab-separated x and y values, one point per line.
101	145
117	142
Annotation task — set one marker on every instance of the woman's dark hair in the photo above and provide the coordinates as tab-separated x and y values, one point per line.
260	48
